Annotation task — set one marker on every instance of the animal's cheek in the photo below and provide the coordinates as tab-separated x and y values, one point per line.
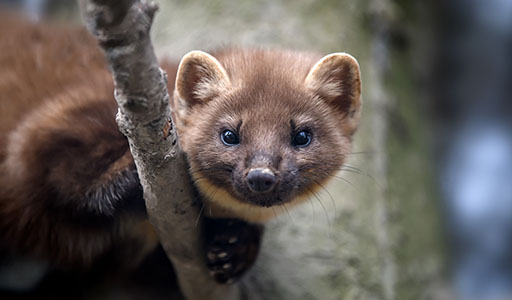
287	171
304	157
239	174
237	179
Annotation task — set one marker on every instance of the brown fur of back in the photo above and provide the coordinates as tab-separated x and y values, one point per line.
58	142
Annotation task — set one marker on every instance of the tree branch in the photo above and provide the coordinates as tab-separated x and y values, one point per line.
122	28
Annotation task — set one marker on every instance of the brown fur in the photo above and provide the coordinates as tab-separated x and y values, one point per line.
265	96
61	152
59	141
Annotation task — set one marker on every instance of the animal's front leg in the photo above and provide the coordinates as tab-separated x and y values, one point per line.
232	247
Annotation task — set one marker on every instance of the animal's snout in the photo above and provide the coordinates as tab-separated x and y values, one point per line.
261	180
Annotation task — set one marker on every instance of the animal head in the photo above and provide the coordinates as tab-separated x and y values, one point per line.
265	128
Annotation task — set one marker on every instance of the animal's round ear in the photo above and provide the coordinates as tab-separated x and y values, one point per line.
336	79
200	78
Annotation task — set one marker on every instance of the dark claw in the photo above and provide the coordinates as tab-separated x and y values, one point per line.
232	247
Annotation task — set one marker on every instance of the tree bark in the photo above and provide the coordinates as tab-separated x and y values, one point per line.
122	29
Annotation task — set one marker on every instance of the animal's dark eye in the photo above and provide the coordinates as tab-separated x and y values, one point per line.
301	139
229	138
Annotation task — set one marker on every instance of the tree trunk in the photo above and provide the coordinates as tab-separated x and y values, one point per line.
122	29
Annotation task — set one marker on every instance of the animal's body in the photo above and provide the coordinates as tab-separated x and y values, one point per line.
261	129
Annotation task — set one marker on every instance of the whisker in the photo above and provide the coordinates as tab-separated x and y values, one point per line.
328	193
315	194
200	212
312	206
351	171
197	198
344	180
274	212
289	216
347	166
211	196
329	223
330	196
361	152
362	173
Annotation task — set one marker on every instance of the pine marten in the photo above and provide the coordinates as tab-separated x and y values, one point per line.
260	128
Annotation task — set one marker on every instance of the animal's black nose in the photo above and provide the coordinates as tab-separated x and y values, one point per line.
261	180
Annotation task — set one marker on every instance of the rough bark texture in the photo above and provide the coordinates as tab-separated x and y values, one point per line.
122	29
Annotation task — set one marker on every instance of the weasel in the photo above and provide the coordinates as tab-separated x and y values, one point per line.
260	128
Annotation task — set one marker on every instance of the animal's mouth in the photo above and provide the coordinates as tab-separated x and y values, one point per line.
274	197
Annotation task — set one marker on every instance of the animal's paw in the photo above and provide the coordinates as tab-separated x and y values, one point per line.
232	247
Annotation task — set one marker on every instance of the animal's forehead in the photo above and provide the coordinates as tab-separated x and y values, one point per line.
271	105
254	65
268	81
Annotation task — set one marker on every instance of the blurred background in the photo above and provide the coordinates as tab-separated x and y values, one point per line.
423	209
